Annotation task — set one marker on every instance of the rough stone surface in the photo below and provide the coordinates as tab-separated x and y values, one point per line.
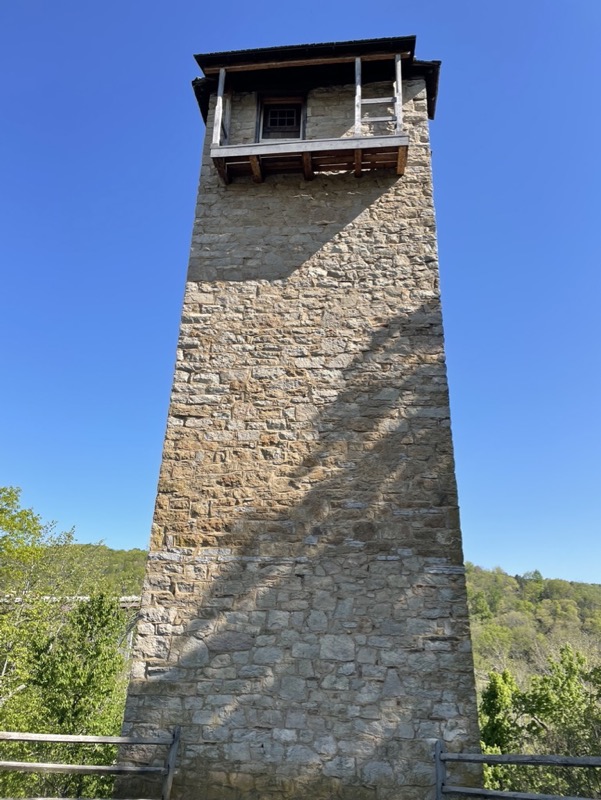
304	613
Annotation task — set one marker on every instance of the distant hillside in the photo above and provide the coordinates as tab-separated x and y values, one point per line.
519	621
121	571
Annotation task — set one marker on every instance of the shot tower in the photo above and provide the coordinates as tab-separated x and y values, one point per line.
304	613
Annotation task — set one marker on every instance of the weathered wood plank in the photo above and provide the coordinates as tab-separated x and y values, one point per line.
303	62
308	167
441	773
78	769
470	790
18	736
398	93
222	169
401	163
357	97
255	166
358	161
170	765
378	100
515	758
309	146
387	118
324	158
219	109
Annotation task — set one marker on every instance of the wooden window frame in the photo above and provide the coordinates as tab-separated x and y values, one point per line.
265	101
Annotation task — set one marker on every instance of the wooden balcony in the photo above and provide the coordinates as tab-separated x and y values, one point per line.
308	157
357	153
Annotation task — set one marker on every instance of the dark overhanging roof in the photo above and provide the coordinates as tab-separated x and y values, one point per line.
359	47
308	65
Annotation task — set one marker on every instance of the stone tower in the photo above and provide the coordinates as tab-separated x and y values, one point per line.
304	613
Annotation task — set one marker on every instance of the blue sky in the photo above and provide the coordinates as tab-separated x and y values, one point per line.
99	155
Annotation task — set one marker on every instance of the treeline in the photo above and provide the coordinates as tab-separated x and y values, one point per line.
121	572
519	622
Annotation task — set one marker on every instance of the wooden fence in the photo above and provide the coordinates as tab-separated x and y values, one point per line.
442	758
167	770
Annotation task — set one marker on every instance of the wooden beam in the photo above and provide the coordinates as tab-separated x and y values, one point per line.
357	97
358	163
518	758
440	769
17	736
401	161
170	764
219	109
255	166
273	147
398	92
308	167
77	769
472	790
227	117
373	100
221	166
303	62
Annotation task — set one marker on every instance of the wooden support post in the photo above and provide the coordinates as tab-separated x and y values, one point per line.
401	162
358	159
398	93
255	165
222	169
308	167
440	769
357	97
219	109
170	765
227	116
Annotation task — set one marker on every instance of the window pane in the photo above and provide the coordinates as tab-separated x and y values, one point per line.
281	121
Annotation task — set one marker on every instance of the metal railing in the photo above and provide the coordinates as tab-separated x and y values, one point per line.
166	771
442	758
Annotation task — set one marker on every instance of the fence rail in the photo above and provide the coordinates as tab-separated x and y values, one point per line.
167	770
441	759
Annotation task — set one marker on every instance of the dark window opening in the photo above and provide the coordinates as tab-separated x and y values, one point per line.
281	120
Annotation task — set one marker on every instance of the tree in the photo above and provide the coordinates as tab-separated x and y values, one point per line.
560	713
28	549
62	658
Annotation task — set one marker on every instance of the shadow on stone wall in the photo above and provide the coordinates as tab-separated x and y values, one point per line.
238	243
317	643
378	478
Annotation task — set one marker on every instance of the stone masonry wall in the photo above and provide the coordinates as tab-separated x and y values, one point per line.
330	112
304	613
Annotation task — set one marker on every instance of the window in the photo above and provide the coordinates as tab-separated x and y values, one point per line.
281	118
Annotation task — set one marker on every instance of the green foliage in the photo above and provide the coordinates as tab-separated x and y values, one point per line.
62	659
121	572
498	726
76	670
559	713
518	622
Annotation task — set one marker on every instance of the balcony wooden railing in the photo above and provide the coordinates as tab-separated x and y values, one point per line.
358	153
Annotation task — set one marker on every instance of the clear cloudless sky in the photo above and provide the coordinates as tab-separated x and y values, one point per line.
100	141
